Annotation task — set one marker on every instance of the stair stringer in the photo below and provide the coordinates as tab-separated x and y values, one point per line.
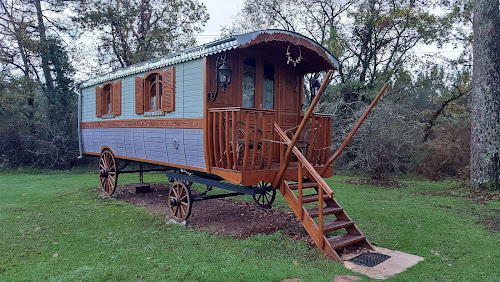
308	223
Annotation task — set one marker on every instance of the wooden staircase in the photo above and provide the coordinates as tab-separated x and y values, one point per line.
313	219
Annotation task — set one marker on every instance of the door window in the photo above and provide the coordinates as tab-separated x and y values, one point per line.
249	83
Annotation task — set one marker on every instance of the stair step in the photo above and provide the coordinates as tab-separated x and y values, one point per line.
326	211
336	225
305	185
345	240
312	198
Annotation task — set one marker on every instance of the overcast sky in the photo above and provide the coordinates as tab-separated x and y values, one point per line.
221	13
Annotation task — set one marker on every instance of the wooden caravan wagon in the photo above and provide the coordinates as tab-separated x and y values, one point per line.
228	110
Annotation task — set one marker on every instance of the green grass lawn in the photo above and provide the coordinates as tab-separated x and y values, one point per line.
54	227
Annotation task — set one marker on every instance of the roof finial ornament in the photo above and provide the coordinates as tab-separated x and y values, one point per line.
289	58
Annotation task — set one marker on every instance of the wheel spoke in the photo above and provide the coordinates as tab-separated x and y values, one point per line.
110	185
183	197
259	197
175	192
180	212
183	211
185	203
266	200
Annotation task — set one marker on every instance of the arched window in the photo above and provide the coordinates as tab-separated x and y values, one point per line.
108	95
108	99
154	92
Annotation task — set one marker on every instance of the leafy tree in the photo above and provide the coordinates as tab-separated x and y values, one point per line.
38	108
132	31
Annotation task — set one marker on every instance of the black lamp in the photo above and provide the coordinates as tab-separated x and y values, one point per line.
224	74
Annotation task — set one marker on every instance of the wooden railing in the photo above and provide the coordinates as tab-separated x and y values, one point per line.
315	140
323	188
241	138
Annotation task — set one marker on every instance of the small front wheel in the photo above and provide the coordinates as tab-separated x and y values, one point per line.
179	201
266	199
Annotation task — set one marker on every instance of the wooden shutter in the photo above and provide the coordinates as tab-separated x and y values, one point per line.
139	95
116	105
98	101
168	91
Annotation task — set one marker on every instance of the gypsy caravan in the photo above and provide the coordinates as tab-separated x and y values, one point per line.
226	114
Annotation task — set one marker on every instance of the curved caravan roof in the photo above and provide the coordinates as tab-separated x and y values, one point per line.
276	37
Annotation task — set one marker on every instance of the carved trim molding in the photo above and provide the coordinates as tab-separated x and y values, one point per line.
189	123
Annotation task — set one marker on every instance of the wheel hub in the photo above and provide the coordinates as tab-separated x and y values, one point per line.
103	172
174	202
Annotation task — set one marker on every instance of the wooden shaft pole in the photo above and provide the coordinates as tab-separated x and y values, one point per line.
353	131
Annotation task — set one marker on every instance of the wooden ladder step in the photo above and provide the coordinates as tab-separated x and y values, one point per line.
326	211
312	198
305	185
336	225
345	240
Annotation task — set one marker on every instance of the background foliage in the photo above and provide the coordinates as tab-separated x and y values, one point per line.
420	126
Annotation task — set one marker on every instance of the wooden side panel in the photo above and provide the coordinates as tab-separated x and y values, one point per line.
117	98
168	99
175	146
139	95
98	101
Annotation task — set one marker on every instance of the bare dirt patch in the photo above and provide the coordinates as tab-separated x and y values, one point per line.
221	216
376	182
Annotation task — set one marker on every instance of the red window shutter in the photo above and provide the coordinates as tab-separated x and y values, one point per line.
117	98
168	91
139	95
98	101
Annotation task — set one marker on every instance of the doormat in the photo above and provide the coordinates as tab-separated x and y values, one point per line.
369	259
396	262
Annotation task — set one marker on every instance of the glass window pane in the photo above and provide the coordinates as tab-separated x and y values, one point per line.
249	83
152	96
160	94
108	102
268	86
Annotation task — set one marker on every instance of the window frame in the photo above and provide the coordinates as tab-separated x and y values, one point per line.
260	61
107	88
158	76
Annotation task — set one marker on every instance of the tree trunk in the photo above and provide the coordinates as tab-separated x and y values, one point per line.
44	49
485	135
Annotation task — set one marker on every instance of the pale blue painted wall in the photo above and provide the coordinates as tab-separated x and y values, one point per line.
189	78
156	144
172	145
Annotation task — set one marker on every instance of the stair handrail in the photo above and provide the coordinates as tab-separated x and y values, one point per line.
353	131
307	165
305	119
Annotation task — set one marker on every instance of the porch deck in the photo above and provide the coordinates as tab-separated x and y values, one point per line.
244	148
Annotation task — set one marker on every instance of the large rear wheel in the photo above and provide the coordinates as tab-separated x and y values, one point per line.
108	172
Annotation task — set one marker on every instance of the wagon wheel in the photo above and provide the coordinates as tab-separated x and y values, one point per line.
265	199
108	172
179	201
